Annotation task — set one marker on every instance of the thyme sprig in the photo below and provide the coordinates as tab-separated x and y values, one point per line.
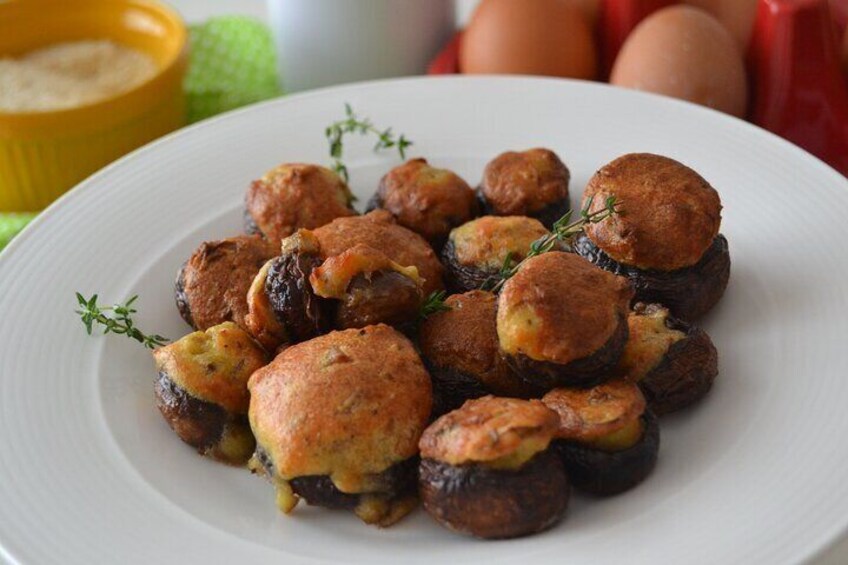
434	303
352	123
563	231
120	323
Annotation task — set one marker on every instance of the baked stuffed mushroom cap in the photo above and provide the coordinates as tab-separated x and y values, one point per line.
486	469
211	287
527	183
202	393
425	199
342	411
562	321
460	348
666	237
476	251
293	196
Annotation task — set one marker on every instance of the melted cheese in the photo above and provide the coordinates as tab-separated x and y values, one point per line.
486	242
649	341
518	332
525	451
620	439
333	277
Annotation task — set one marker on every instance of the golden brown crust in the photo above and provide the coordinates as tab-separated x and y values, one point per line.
559	308
348	404
427	200
588	414
464	338
296	195
217	276
485	242
670	214
520	183
213	365
261	321
332	278
488	428
379	230
648	341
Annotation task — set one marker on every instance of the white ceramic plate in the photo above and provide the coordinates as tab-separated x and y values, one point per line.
90	473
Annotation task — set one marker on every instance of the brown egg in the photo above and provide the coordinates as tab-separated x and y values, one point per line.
736	15
536	37
684	52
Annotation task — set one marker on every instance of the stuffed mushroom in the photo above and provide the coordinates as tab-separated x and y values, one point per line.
666	239
201	390
427	200
460	349
487	469
606	438
562	321
673	362
294	196
528	183
211	287
337	421
476	251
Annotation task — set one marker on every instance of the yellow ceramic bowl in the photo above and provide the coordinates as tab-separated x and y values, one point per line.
43	154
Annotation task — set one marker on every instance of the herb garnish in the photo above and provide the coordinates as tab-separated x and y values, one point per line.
435	303
91	313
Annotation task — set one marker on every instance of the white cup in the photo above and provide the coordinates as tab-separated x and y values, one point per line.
324	42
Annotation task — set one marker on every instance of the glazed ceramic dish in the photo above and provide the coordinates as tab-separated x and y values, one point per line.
90	473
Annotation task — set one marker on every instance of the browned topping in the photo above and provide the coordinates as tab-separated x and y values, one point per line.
261	320
213	365
332	278
588	414
217	276
519	183
648	341
487	429
348	404
379	230
670	213
297	195
559	308
427	200
485	242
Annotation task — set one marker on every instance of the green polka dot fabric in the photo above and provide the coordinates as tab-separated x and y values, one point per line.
232	64
10	225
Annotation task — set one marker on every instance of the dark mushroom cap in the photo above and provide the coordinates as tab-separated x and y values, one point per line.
524	183
560	308
427	200
212	285
348	404
294	196
670	214
378	230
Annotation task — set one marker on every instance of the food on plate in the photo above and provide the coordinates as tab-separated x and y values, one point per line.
686	53
562	321
673	362
337	421
476	251
530	183
293	196
606	438
212	285
427	200
201	390
487	470
531	37
460	349
666	240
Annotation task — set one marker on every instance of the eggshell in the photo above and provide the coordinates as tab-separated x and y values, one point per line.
536	37
736	15
684	52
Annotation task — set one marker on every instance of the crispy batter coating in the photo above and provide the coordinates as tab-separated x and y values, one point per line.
261	320
427	200
216	278
520	183
485	242
379	230
670	213
348	404
559	308
588	414
332	278
487	429
648	342
296	195
214	365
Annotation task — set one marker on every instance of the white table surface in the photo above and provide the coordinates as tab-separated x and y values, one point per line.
198	10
